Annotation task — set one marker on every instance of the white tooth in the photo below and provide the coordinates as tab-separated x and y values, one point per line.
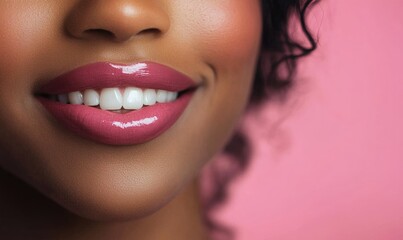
133	98
150	97
110	99
63	98
162	96
172	96
76	98
91	97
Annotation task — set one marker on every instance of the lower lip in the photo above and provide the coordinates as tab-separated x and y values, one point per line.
110	128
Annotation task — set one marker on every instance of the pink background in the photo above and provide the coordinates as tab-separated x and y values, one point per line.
331	167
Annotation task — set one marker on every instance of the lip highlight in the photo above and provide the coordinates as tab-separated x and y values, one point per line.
112	128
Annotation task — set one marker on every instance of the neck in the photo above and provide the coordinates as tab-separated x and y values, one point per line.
24	213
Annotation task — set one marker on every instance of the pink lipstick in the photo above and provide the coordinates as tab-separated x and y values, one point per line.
133	127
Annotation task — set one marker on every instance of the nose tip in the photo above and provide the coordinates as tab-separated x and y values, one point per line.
117	20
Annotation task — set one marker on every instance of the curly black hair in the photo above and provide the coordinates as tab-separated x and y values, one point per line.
278	55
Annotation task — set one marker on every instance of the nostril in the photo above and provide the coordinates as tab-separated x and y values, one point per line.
151	31
117	36
99	33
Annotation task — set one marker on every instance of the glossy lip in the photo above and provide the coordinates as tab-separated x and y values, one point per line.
110	128
105	74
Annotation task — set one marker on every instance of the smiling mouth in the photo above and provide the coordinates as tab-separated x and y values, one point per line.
118	104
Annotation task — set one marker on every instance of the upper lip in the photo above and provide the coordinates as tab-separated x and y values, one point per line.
106	74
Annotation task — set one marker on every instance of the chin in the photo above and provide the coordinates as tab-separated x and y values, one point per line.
111	201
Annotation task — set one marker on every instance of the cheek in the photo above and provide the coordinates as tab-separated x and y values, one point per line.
227	30
24	34
226	34
21	26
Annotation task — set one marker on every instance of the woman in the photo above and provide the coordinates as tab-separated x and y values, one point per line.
111	108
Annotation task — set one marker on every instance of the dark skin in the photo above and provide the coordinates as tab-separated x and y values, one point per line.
57	185
41	218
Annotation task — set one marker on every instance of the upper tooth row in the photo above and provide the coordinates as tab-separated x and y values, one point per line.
113	99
